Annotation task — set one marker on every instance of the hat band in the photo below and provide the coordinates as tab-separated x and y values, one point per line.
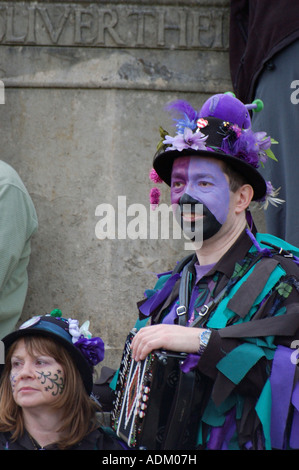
52	328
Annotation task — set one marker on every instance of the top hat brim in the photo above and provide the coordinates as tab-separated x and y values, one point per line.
78	358
163	163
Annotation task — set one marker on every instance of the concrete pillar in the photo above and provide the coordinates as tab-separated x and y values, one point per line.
85	87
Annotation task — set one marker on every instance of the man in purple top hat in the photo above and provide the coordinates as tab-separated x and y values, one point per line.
238	319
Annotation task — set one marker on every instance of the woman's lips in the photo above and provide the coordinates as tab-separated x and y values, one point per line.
27	389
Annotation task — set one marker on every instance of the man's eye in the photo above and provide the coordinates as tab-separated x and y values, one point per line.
178	184
204	184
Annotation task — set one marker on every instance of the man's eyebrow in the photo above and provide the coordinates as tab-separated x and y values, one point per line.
204	175
177	174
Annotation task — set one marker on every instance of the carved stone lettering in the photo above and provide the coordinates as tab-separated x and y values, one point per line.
117	25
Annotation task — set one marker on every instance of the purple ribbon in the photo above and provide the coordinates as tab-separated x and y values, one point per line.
294	437
221	435
281	380
155	300
190	362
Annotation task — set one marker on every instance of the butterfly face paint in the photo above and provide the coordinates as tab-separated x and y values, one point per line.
200	181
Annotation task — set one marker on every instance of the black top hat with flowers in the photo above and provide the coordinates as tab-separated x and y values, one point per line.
221	130
86	351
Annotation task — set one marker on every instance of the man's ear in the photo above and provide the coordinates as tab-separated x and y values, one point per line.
244	197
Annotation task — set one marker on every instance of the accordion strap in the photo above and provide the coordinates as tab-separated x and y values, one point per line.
182	309
184	293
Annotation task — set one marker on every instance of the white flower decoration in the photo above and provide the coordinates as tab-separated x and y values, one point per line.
76	331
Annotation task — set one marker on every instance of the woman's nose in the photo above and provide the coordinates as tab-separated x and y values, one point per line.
27	370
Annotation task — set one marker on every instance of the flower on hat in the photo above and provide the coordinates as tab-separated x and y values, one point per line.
92	348
252	147
75	331
186	140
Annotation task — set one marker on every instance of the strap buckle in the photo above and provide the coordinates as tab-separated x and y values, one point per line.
181	310
204	310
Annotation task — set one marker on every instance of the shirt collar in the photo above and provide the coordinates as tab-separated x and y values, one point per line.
237	251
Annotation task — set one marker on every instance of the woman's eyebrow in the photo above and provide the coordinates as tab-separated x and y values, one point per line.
16	357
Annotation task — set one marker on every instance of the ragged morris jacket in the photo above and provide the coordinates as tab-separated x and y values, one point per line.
250	361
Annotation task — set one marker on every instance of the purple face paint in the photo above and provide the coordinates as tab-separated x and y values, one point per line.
203	180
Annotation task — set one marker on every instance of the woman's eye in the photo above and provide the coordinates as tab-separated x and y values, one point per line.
15	364
42	361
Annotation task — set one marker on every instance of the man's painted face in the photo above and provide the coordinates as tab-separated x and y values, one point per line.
200	192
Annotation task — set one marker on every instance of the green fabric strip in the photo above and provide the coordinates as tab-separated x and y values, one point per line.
215	415
239	361
222	313
267	237
263	410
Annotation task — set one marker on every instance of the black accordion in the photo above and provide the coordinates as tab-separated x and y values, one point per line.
156	405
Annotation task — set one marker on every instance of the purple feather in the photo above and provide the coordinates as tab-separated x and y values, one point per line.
184	108
188	115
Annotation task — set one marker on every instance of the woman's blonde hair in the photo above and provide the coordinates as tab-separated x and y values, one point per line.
78	409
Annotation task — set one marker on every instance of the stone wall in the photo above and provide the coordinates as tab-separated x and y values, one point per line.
85	87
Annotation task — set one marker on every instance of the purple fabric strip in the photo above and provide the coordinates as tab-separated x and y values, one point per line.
171	316
281	380
190	362
294	437
221	436
153	302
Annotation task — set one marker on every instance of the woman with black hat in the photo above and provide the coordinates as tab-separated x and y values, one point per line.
46	383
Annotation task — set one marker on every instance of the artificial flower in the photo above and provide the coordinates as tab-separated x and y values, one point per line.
155	194
153	175
187	140
93	349
249	146
76	331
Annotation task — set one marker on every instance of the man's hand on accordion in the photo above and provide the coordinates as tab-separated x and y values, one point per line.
162	336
